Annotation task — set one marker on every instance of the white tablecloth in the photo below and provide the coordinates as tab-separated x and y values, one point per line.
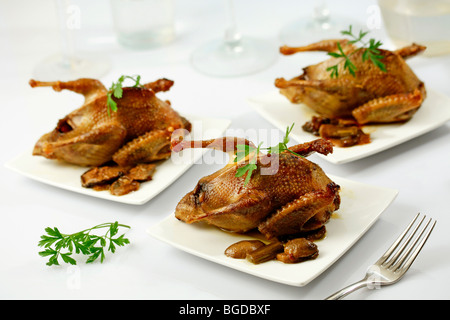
149	268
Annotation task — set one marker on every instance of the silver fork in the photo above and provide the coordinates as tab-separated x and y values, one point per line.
393	264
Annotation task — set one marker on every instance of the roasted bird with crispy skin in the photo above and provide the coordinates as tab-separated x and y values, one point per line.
371	96
287	194
139	131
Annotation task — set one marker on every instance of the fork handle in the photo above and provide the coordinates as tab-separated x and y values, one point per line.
347	290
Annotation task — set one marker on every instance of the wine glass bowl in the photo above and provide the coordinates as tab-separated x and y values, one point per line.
233	54
321	26
227	59
69	64
64	68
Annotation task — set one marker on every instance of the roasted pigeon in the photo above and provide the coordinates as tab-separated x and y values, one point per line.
139	131
371	96
287	194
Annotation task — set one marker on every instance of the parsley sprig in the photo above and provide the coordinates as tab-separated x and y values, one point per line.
244	151
371	52
117	91
83	242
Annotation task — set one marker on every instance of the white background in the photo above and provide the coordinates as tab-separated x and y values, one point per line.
148	268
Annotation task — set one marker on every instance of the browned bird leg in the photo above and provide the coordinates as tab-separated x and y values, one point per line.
283	83
410	51
152	146
228	144
328	85
291	217
159	85
319	145
89	88
225	144
397	107
324	45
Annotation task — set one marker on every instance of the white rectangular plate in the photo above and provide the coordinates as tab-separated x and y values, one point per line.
434	112
361	205
67	176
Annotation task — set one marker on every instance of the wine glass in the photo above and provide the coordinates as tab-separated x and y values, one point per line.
69	64
322	26
234	54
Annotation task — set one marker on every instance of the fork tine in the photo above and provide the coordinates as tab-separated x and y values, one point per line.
419	247
402	252
389	251
403	246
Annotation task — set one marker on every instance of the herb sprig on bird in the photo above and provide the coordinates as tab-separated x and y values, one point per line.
244	151
371	52
116	90
59	245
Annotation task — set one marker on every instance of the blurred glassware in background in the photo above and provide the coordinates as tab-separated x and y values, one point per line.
70	64
234	54
321	25
424	22
143	24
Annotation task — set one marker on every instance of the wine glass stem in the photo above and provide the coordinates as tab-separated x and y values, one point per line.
65	35
232	37
321	12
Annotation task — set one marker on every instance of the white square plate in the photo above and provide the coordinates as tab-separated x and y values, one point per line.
361	205
67	176
280	112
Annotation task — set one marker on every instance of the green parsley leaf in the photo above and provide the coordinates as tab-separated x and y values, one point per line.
116	90
244	151
370	52
83	242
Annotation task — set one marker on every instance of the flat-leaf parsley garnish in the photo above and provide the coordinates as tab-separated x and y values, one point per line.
244	151
59	245
371	52
117	91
